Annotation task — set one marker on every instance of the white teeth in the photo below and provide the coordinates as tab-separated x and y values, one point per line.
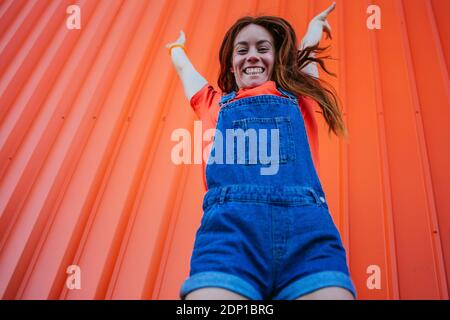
254	70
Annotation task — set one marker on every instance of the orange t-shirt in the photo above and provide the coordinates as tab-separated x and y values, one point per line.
205	103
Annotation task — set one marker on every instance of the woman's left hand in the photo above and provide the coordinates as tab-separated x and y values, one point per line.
316	26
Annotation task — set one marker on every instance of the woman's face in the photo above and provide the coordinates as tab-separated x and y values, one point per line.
253	56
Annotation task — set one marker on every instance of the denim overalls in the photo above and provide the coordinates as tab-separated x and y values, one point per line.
266	232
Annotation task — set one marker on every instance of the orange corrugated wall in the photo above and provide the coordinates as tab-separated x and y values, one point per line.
86	117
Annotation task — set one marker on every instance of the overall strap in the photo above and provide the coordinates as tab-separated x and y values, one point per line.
227	97
287	93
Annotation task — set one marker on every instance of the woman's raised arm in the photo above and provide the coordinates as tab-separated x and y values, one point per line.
314	34
192	80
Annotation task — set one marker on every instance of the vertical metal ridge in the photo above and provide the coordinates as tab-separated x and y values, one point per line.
388	221
440	9
439	48
18	23
424	158
8	12
344	213
24	52
154	284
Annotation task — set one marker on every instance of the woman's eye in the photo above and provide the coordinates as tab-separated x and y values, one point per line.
244	51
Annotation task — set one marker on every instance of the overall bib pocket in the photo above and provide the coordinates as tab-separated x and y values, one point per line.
260	137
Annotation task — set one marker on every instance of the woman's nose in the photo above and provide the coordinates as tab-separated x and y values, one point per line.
253	58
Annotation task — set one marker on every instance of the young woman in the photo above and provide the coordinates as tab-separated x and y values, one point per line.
265	234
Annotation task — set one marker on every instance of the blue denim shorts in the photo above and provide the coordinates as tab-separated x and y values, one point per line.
266	242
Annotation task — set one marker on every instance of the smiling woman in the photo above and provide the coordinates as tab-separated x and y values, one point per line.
266	232
288	61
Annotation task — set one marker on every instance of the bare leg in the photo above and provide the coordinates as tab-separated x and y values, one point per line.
213	294
330	293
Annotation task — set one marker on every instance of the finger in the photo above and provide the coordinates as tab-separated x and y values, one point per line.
325	13
330	8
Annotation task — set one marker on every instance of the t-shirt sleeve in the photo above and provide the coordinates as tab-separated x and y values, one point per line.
205	104
311	104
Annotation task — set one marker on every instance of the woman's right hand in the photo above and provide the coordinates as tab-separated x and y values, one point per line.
191	79
181	40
